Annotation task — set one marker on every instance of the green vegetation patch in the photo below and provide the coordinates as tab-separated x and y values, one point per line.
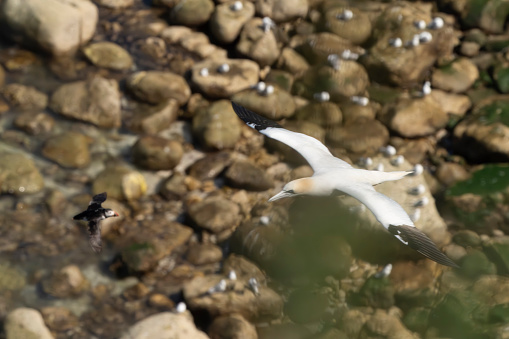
490	179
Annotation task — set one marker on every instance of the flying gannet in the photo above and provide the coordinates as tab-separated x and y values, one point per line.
333	174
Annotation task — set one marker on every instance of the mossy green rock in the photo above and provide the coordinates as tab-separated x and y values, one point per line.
416	319
488	180
475	264
377	293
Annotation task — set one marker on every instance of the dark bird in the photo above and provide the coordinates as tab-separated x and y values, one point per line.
94	214
332	174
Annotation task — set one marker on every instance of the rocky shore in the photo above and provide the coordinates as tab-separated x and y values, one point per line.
134	98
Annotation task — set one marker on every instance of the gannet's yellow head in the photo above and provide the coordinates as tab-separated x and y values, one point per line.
295	187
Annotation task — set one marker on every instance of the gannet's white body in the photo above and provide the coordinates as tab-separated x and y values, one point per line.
333	174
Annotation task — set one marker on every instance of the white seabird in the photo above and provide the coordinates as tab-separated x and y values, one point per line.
333	174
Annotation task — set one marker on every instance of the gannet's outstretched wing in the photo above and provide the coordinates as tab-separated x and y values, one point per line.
393	217
315	153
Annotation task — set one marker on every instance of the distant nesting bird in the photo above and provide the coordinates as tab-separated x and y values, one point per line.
94	214
333	174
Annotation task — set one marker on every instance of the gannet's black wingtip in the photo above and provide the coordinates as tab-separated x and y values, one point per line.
252	119
420	242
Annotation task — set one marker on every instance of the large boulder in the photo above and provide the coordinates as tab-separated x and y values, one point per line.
57	26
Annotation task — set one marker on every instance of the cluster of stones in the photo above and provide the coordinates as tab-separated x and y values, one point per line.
141	109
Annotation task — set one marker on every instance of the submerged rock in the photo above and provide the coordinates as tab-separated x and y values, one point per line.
65	283
121	183
96	101
156	153
19	175
69	149
25	97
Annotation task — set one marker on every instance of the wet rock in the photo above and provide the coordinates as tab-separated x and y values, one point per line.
156	153
203	254
215	214
96	101
148	242
450	173
467	238
243	73
33	21
350	79
69	149
65	283
26	323
226	23
293	62
156	326
19	175
475	264
385	325
357	29
11	279
120	182
153	119
192	12
414	117
116	4
481	136
282	11
233	326
158	86
276	106
456	77
135	292
174	188
377	293
108	55
257	44
406	65
325	114
246	175
59	319
305	305
34	123
210	166
239	298
25	97
361	136
218	126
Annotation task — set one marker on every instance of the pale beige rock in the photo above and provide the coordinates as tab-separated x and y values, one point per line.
57	26
165	325
26	323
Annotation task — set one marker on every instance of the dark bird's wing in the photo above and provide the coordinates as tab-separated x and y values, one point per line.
420	242
96	202
94	231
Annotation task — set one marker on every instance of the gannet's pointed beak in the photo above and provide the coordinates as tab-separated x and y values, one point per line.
281	195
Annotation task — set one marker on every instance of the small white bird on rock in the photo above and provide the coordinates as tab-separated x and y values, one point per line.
332	174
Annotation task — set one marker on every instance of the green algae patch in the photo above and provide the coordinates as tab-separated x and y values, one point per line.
502	78
497	111
488	180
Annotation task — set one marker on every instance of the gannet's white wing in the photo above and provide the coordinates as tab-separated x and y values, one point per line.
316	154
394	218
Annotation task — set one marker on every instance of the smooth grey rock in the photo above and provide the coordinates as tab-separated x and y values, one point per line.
218	126
215	214
242	75
156	153
226	23
69	149
96	101
108	55
159	86
25	97
35	21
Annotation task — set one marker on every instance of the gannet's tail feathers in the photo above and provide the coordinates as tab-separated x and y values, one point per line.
420	242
